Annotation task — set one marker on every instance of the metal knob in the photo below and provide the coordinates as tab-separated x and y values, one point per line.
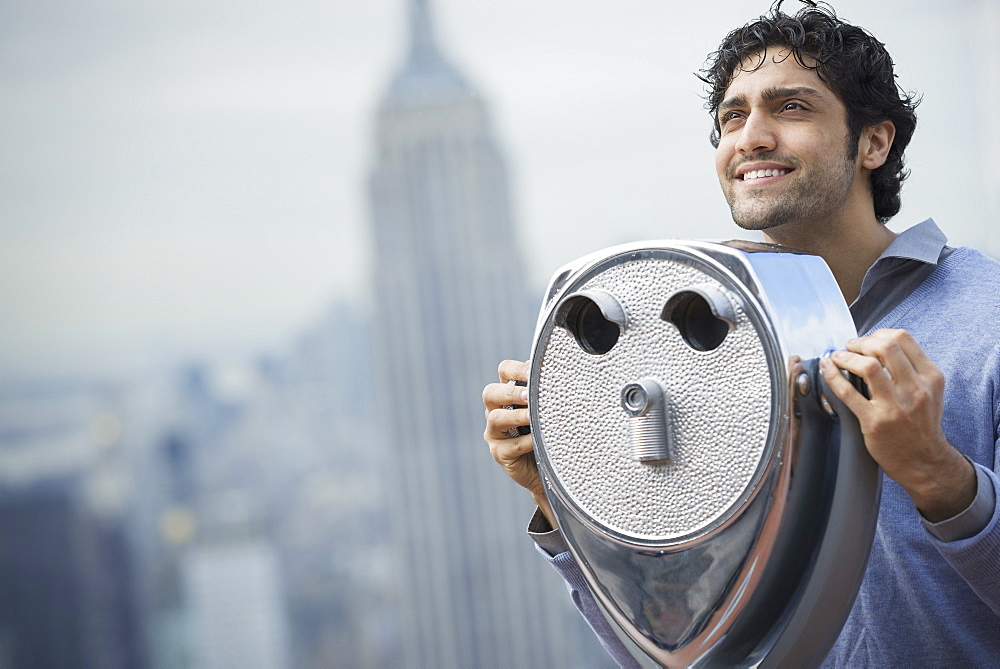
645	402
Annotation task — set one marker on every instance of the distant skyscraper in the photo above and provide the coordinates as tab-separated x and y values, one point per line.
234	593
67	596
451	303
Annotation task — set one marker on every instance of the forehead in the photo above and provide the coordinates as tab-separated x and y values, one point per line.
774	69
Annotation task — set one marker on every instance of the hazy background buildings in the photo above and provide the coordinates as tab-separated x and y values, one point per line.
199	419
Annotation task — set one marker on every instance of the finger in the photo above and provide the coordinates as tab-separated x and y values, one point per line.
509	450
514	370
885	347
867	367
500	421
909	346
844	389
497	395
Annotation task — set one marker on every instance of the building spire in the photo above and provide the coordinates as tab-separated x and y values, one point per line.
423	48
424	73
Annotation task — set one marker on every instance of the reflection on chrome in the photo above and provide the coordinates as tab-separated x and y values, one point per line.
733	527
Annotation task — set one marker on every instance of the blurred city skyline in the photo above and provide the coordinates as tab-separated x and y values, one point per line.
209	452
186	181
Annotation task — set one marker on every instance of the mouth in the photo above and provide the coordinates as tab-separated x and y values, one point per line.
759	176
760	172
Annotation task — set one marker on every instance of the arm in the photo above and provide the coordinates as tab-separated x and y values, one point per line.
515	454
584	601
902	427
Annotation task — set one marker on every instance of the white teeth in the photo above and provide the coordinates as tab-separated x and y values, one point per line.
756	174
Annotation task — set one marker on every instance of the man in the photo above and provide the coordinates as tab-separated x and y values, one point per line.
810	133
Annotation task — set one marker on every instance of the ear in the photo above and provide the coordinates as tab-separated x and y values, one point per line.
874	145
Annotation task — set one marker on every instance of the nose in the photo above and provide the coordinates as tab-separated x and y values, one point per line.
756	135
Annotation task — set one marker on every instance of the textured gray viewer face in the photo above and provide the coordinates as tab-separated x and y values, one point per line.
731	525
719	405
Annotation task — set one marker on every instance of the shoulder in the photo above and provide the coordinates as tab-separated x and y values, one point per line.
966	258
967	275
957	308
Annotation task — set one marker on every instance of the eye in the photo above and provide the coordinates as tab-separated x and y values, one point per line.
727	117
793	106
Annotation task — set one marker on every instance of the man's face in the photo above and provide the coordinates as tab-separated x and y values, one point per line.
783	150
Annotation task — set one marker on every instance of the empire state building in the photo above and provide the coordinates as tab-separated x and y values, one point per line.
451	302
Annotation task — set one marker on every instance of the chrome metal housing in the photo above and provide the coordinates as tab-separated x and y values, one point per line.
733	527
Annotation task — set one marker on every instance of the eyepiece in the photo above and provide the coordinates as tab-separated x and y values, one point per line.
594	318
702	315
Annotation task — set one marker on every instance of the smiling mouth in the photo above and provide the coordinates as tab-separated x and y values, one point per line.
753	175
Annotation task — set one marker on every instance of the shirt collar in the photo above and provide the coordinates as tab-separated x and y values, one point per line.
924	242
921	243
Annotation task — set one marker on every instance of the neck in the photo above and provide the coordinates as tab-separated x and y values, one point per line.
849	248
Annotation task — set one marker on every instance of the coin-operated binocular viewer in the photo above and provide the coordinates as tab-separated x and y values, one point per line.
717	496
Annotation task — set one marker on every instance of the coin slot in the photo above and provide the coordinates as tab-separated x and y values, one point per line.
634	398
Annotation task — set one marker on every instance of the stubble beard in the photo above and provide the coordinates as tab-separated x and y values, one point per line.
810	196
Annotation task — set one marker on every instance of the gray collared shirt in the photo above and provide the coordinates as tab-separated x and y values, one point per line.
903	266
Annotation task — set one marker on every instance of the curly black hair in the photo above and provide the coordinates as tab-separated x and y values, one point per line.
849	59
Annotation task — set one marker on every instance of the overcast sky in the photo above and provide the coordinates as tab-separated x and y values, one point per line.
186	179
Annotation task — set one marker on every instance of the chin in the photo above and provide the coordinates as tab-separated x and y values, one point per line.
759	221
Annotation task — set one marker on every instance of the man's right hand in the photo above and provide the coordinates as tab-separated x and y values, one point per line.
513	452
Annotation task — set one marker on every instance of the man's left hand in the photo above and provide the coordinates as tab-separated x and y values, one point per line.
901	423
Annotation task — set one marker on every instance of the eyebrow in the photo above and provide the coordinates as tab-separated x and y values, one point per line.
772	94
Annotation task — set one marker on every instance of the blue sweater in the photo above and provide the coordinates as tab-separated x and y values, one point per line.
924	602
